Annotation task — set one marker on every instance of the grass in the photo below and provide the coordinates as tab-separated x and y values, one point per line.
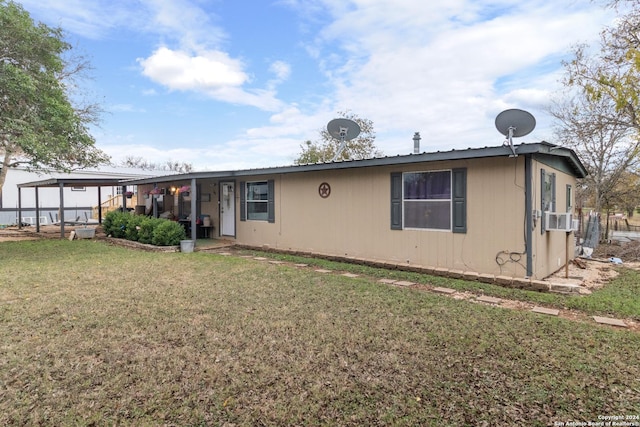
620	298
92	334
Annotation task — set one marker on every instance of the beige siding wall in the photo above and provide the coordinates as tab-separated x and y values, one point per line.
355	220
550	247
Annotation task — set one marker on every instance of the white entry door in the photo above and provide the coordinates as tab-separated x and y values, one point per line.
227	209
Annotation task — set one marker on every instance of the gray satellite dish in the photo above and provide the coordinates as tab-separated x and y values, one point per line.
515	123
344	130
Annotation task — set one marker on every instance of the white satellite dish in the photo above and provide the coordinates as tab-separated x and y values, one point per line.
344	130
515	123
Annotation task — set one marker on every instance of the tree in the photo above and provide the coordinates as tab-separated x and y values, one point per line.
599	115
140	163
613	72
626	195
361	147
40	127
607	147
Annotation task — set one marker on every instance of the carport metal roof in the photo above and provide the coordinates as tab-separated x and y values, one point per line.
73	182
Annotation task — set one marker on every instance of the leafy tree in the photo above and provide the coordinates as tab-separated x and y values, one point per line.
140	163
613	72
40	127
361	147
599	115
608	148
626	195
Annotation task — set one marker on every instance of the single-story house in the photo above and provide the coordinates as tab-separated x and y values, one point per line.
482	210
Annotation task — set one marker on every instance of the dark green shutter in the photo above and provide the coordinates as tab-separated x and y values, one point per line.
396	201
459	200
553	192
568	196
243	201
543	202
271	206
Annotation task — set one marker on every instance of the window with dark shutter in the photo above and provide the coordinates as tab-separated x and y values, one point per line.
257	201
547	196
432	200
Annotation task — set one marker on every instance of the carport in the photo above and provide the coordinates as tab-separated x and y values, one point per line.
68	182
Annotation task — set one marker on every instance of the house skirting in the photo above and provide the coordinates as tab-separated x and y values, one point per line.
505	281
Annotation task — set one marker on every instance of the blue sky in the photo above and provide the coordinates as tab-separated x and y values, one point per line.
230	84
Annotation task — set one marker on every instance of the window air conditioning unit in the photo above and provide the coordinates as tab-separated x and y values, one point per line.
559	221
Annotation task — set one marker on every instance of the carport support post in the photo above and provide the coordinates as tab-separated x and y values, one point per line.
566	254
124	198
194	213
62	210
100	205
19	208
37	211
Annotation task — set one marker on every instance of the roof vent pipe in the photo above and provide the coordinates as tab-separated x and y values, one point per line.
416	143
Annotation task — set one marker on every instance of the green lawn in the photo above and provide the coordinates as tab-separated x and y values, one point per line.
620	298
92	334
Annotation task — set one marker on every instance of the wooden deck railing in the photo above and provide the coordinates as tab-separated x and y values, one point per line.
113	203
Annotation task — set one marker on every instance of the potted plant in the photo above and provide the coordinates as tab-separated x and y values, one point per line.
128	194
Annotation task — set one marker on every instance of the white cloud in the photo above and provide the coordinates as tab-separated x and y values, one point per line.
89	19
281	69
442	68
437	68
212	73
178	70
183	21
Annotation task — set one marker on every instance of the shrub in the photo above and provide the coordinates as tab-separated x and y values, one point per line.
156	231
147	228
115	223
133	227
168	233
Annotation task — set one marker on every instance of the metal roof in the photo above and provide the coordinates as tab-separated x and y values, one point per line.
74	182
543	147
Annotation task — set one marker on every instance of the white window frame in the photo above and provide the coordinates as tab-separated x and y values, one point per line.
248	188
449	200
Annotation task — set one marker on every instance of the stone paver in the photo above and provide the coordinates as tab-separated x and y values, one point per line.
224	253
276	262
549	311
351	275
443	290
403	283
260	258
564	288
301	265
388	281
322	270
610	321
490	300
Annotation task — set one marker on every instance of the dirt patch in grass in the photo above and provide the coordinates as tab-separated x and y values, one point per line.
591	274
95	334
628	252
